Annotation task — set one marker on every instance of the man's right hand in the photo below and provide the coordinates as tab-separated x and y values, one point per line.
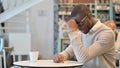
72	26
58	58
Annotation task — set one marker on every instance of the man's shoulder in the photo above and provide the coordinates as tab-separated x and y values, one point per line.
104	30
104	27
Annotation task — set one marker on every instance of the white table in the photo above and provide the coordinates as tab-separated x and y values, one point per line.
47	64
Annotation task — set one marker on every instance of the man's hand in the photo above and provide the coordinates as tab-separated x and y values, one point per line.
58	58
72	25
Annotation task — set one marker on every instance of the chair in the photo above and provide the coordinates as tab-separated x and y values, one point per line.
7	60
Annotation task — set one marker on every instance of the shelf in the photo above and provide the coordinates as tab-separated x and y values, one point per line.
103	9
66	8
60	13
117	13
116	3
118	23
117	19
73	4
96	7
103	4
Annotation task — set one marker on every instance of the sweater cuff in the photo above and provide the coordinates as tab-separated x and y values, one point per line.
64	54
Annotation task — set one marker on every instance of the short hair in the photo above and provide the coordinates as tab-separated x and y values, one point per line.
80	9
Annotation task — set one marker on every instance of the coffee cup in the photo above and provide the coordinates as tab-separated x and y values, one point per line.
33	55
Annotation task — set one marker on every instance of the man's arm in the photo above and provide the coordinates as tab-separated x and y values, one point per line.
64	55
103	44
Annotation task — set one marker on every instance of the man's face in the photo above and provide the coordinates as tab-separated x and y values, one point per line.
83	23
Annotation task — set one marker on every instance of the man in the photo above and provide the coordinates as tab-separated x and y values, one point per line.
92	42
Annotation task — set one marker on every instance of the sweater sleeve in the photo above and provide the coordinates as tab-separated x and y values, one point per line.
103	44
68	52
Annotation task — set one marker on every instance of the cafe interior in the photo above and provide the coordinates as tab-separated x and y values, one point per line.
39	25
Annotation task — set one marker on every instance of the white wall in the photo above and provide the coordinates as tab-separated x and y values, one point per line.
41	24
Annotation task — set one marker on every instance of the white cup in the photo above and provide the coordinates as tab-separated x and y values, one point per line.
33	56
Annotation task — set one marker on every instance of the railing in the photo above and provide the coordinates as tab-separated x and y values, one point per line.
14	7
9	4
